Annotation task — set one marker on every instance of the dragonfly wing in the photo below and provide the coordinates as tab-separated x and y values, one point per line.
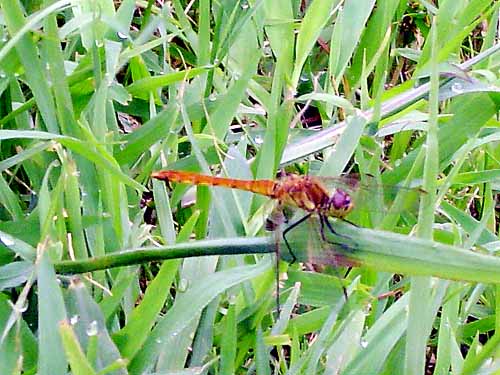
309	245
373	201
260	217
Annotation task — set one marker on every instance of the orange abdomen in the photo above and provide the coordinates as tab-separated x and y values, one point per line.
263	187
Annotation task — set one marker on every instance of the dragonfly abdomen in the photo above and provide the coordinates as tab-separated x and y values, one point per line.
263	187
305	192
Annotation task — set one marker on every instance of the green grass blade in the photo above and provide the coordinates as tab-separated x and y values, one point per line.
188	306
51	313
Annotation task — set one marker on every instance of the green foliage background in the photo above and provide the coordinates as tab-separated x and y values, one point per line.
96	94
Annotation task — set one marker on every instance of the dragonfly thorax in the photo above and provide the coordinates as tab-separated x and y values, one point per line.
339	204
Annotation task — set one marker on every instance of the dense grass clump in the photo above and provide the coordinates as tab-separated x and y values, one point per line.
105	270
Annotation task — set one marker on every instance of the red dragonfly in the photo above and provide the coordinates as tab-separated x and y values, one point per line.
322	196
309	193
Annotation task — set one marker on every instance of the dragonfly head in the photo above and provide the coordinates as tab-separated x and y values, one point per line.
339	204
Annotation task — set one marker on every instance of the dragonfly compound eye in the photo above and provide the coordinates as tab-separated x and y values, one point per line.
340	203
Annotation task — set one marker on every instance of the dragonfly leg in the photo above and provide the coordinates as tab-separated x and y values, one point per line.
285	232
168	185
330	226
324	220
350	222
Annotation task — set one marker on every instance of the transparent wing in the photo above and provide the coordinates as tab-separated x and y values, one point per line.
355	185
310	248
313	243
376	204
260	218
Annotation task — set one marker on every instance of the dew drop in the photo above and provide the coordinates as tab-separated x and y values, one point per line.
363	343
23	307
92	328
267	51
457	88
122	35
183	285
74	319
367	309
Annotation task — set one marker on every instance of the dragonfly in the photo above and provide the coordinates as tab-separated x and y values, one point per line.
308	193
323	197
